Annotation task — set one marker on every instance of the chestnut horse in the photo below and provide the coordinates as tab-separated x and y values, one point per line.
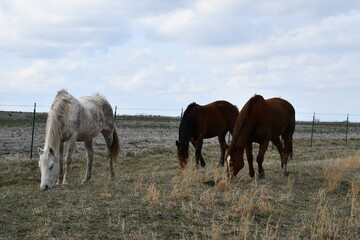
199	122
261	121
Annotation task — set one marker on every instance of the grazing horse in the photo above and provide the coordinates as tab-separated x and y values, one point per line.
199	122
261	121
74	120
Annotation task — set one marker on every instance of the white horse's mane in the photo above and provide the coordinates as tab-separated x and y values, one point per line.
57	114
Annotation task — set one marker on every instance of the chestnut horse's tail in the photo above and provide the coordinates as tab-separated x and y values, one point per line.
115	146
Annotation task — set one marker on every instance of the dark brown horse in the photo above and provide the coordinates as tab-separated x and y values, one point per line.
261	121
199	122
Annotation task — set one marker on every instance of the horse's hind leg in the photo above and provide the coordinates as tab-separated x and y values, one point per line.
90	156
68	158
279	146
287	151
222	148
109	140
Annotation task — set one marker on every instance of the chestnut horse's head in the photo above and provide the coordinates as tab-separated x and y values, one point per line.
182	152
234	161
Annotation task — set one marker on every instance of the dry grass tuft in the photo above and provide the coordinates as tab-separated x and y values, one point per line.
208	197
334	172
354	199
138	185
179	192
324	223
188	176
153	195
254	201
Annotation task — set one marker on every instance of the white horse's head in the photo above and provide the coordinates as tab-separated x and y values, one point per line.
49	167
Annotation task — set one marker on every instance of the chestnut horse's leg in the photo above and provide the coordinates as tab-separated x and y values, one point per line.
61	172
279	146
70	148
287	151
90	156
222	142
250	158
260	157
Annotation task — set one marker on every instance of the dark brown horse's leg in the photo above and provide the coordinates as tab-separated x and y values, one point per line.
260	157
198	154
250	159
221	138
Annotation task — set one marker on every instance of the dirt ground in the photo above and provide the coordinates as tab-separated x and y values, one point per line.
137	133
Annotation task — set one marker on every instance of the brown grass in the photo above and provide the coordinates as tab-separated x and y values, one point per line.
153	199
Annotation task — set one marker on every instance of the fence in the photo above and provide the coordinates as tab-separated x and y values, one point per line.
21	132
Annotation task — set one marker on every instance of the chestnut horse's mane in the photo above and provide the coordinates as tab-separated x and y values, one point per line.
244	113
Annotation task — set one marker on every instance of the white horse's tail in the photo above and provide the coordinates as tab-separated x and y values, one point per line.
115	146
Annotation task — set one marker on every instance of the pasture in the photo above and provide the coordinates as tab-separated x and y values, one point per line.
151	198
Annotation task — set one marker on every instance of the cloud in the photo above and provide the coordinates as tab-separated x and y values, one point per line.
55	28
232	22
41	76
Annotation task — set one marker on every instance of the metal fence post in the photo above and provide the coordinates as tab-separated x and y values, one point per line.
115	113
347	128
32	134
312	131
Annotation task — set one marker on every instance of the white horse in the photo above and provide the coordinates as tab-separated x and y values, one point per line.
74	120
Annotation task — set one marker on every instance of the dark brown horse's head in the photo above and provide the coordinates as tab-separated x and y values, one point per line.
234	161
182	152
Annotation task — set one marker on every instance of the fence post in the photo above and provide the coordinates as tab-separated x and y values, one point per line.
347	128
32	134
182	113
312	130
115	113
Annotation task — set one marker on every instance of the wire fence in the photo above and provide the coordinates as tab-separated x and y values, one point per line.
22	132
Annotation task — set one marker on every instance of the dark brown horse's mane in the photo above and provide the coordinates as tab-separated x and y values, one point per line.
190	107
187	124
244	113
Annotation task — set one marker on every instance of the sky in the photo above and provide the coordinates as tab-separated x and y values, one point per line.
158	56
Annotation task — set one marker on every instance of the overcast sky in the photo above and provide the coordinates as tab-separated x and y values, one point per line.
161	54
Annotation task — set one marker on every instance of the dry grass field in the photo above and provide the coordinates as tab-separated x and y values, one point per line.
152	198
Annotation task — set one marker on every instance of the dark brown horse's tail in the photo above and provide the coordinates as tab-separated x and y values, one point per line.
115	146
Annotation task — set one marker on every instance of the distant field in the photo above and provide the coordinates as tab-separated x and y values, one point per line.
140	133
152	199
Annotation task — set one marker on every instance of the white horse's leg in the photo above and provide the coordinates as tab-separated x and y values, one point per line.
61	172
109	139
90	157
68	158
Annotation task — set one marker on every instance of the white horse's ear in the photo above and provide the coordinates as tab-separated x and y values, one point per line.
40	151
51	151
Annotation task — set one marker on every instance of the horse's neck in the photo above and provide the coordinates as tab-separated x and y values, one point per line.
53	134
